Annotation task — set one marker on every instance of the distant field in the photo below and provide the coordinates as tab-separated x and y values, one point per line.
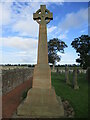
77	98
11	67
14	67
63	68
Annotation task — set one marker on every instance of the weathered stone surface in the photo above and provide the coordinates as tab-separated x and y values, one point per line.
42	72
41	103
74	83
42	76
14	77
67	75
88	74
41	100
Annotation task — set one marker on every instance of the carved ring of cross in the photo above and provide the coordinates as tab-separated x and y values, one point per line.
43	16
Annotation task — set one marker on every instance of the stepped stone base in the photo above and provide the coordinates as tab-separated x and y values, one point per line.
41	103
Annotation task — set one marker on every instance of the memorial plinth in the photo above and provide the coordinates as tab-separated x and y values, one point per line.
41	100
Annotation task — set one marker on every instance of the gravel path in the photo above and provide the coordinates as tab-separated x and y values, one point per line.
11	100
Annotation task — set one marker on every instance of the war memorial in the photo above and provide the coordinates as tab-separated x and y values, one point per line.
41	100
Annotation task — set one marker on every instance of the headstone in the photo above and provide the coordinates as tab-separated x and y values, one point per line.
41	100
77	71
53	69
57	70
67	75
88	74
75	84
70	71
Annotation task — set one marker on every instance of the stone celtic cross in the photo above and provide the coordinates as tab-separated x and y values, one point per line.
43	15
41	101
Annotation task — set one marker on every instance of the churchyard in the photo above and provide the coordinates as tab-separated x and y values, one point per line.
78	99
49	93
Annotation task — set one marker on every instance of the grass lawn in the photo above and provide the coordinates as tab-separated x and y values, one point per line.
77	98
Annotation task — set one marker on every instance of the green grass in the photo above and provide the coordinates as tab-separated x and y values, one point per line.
77	98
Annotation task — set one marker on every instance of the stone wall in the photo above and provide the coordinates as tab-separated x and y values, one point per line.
14	77
0	81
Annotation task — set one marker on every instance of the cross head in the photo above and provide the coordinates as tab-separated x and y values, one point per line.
43	15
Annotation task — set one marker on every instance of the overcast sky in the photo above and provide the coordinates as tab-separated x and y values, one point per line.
20	32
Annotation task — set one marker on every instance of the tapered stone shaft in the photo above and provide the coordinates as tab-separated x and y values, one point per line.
42	45
42	71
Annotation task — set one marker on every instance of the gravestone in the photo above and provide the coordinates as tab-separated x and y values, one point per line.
67	75
88	74
74	83
57	70
41	100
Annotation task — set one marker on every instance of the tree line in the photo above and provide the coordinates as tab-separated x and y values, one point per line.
80	44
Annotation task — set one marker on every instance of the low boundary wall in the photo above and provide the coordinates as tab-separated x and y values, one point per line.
14	77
